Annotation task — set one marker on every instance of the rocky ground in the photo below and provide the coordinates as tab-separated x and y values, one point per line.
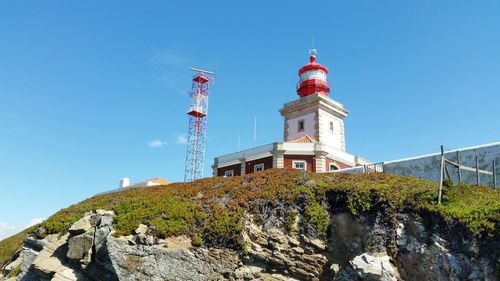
374	247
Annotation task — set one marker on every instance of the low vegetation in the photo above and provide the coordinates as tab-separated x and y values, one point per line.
210	210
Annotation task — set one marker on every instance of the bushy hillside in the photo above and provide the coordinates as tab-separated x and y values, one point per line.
210	210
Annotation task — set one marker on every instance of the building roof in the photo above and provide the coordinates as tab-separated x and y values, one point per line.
150	182
160	181
313	65
304	139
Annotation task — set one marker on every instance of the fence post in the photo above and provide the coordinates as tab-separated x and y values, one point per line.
494	175
441	171
459	171
477	171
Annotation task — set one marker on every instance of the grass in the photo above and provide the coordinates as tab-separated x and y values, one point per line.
210	210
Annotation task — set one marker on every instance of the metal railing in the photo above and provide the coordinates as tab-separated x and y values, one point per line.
374	168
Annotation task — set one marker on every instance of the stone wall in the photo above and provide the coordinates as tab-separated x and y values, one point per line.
428	166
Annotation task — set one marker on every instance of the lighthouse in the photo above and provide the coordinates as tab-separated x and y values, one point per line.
313	133
315	114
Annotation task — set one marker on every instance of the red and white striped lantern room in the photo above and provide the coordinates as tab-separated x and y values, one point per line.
313	78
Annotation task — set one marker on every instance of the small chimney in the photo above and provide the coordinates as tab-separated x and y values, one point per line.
124	182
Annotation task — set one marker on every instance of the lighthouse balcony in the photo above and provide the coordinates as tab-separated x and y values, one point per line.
309	87
313	82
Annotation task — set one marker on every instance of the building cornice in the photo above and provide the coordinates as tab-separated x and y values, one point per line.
313	102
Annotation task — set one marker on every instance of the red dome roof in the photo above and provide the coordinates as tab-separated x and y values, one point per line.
313	65
313	79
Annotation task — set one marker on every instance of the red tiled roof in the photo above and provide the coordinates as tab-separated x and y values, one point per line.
305	138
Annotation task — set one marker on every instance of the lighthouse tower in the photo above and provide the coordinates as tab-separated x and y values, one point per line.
313	133
315	114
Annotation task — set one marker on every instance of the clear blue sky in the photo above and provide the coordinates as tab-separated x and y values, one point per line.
87	87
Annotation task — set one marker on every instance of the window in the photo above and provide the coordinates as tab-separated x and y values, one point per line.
300	165
229	173
300	125
258	168
333	167
331	127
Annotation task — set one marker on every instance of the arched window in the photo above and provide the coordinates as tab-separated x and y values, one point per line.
333	167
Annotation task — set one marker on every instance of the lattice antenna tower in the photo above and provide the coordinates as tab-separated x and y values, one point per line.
197	130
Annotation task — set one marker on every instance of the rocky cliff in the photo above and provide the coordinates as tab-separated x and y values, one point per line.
312	230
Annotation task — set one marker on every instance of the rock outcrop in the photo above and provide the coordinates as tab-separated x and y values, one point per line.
358	248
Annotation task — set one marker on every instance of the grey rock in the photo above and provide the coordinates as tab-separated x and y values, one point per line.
34	243
106	221
41	232
142	229
379	267
147	240
95	220
27	257
157	263
47	267
105	213
248	273
81	226
80	247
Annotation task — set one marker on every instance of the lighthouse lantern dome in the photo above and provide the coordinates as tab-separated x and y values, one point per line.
313	79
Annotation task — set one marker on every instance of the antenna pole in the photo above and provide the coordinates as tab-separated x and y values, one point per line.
238	142
197	129
254	130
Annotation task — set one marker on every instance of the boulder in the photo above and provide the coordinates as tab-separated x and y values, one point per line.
41	232
105	213
142	239
95	220
378	267
142	229
80	247
316	243
335	268
81	226
47	261
34	243
247	272
13	265
47	267
293	242
106	221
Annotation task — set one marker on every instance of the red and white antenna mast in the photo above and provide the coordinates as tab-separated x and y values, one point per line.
197	132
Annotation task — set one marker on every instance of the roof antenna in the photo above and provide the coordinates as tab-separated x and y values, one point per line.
254	130
238	142
312	51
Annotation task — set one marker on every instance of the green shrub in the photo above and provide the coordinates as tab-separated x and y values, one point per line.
197	241
15	272
224	228
291	219
316	216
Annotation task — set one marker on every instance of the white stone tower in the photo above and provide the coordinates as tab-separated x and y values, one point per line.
315	114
